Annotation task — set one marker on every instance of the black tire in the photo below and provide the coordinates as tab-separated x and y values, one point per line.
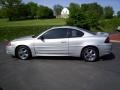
23	52
90	54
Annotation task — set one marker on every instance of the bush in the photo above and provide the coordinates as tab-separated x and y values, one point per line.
108	25
78	17
79	20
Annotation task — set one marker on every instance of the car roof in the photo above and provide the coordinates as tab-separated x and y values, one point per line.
72	27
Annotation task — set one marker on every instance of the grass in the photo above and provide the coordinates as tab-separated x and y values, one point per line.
36	22
14	29
9	33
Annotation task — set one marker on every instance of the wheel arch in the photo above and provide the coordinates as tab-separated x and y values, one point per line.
20	46
89	46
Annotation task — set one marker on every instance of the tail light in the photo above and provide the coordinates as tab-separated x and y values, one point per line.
107	40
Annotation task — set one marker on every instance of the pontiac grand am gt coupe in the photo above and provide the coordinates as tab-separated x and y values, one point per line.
62	41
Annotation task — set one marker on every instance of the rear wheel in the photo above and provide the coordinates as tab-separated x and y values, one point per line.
90	54
23	52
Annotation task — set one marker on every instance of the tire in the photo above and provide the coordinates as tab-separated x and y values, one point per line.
90	54
23	52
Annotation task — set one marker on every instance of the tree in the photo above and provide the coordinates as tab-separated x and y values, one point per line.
44	12
74	8
80	18
22	13
11	6
32	9
9	3
118	13
108	12
3	13
93	9
57	10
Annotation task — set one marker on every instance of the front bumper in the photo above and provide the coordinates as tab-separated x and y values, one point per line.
10	50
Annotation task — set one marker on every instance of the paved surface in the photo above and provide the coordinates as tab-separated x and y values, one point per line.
60	73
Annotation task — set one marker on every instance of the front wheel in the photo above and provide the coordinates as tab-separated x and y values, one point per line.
23	52
90	54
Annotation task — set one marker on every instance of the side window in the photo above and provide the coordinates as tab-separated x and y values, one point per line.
56	33
75	33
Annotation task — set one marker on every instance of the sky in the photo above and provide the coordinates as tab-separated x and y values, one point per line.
50	3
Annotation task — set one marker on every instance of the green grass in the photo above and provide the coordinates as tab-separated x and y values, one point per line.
36	22
14	29
9	33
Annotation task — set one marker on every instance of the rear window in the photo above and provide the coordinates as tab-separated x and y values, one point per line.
75	33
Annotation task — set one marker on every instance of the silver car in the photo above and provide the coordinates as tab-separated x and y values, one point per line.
62	41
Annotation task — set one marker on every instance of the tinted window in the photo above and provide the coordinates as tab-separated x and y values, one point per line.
75	33
56	33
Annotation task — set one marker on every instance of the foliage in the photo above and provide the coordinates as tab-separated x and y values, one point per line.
8	33
108	12
82	16
92	9
107	25
74	8
44	12
10	30
11	6
118	13
32	8
16	10
19	13
57	10
3	13
9	3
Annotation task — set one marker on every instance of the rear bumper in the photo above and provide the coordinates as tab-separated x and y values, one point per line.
105	49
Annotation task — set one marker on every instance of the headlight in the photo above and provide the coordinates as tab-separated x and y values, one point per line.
9	44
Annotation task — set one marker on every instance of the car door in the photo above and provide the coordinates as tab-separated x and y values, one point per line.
75	42
53	43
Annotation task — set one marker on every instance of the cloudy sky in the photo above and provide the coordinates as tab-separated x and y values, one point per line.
50	3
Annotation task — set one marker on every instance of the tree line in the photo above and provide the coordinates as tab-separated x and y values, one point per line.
16	10
89	13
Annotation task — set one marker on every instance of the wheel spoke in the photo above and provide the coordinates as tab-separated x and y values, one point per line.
90	54
23	53
91	51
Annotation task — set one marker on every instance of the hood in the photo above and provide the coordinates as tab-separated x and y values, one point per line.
24	38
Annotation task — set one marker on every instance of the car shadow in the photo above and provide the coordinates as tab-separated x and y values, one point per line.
108	57
1	88
55	58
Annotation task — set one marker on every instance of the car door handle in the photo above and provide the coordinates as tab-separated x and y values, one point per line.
63	42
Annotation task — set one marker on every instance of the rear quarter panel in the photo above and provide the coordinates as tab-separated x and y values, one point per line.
77	44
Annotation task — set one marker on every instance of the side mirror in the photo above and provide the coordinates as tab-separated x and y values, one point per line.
33	36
